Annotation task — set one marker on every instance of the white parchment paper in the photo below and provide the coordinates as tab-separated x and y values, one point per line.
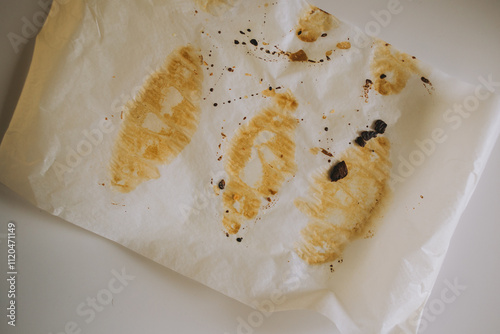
93	57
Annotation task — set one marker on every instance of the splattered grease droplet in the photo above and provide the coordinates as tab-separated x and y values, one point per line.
215	7
391	69
261	158
342	211
160	121
313	22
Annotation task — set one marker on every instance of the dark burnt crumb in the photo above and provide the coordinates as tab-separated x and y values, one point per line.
230	69
340	261
227	234
243	43
325	152
380	126
249	30
211	89
227	211
215	104
383	76
413	57
222	184
219	32
241	32
220	158
326	128
236	42
239	239
360	141
269	199
367	135
299	32
425	80
270	88
368	82
339	171
254	42
324	34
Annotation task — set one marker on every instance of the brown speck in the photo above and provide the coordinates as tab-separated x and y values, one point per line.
325	152
339	171
222	184
421	196
223	135
344	45
298	56
425	80
230	69
324	34
220	158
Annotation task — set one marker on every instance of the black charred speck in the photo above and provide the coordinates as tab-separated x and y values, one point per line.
236	42
239	239
254	42
380	126
222	184
367	135
339	171
383	76
360	141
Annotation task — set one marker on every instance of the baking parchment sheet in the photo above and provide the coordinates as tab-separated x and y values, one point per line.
92	58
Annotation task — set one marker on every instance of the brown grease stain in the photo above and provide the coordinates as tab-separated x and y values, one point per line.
298	56
340	212
391	69
313	22
344	45
268	137
160	121
215	7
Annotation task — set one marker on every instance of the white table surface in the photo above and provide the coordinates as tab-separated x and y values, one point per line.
60	266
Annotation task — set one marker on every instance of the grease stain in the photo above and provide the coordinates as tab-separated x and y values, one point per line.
261	157
159	123
342	211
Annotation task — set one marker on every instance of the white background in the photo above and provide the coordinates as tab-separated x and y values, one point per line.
60	265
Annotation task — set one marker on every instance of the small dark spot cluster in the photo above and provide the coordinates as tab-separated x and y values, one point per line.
222	184
379	126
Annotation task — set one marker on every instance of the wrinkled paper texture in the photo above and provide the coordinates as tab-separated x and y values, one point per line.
133	114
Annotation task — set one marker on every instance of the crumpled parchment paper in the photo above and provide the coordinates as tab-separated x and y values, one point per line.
222	140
